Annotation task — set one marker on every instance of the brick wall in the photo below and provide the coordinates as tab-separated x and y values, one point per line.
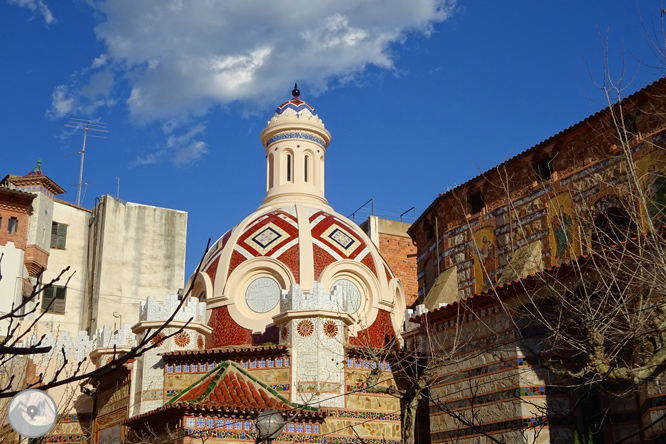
400	254
14	204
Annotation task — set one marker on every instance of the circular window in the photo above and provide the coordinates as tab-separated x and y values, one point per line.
262	295
350	290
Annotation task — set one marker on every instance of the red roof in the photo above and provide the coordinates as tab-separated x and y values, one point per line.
231	387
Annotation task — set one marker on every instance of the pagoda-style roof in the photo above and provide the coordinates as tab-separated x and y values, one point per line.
230	390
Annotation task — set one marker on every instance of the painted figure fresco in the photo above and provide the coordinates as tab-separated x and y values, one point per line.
486	252
562	228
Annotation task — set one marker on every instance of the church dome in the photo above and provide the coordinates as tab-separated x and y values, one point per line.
295	244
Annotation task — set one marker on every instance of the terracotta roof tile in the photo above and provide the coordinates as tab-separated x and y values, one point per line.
229	388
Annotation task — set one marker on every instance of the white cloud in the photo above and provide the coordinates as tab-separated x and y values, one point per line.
174	61
85	96
180	150
61	102
35	6
182	58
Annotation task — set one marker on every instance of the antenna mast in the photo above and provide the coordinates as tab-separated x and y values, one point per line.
85	126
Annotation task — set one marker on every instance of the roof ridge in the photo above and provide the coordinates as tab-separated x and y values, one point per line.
217	374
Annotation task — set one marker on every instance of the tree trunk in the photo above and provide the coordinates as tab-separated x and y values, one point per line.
409	404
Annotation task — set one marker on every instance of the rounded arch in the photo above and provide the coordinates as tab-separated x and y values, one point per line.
309	166
320	173
200	286
399	305
612	222
367	284
271	171
288	165
241	278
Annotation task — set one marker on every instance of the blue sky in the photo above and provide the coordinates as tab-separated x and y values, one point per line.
419	96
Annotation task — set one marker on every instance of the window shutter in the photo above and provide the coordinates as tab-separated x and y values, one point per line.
47	295
62	235
61	297
54	234
58	235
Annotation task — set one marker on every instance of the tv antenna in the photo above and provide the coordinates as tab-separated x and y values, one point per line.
82	128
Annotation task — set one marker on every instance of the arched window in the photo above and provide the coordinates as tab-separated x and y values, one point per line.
611	227
476	202
270	170
306	166
288	167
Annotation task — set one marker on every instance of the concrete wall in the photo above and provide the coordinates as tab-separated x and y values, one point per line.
137	251
39	231
11	284
74	256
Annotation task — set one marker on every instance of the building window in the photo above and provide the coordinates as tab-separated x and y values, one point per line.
612	227
307	162
12	226
58	235
270	171
288	167
53	299
476	202
543	168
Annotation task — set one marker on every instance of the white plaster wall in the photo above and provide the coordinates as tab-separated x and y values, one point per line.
74	255
39	228
11	284
139	252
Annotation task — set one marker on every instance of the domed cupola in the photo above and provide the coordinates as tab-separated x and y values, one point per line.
295	140
295	261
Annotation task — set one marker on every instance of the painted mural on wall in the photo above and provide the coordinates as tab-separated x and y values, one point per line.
652	170
486	263
564	236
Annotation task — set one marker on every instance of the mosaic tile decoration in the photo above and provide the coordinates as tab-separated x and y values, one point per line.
226	331
375	416
305	328
330	329
342	238
265	236
295	104
338	241
292	433
64	438
296	135
216	248
182	339
273	234
374	336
